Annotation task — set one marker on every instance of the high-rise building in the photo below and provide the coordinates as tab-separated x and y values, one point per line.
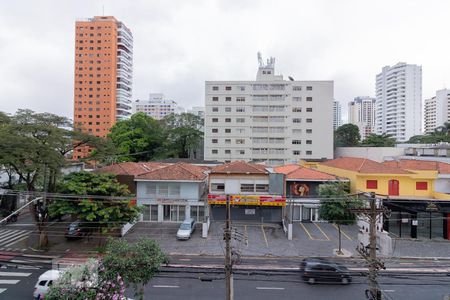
437	110
198	111
399	101
361	112
270	119
337	114
103	76
157	106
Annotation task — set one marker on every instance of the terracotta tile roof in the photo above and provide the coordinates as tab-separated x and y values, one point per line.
178	171
239	167
423	165
299	172
131	168
362	165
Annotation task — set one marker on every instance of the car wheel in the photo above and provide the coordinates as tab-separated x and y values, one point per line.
345	280
311	280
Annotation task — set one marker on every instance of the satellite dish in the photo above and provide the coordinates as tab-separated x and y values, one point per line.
290	78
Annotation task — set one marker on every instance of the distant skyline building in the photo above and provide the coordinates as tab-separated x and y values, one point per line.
198	111
337	114
399	101
437	110
361	112
157	106
103	76
271	120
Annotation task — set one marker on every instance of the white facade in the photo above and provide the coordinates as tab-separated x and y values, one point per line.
124	72
399	101
157	106
337	115
361	112
437	110
270	119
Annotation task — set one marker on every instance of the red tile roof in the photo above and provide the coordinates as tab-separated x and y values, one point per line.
239	167
363	165
423	165
178	171
131	168
299	172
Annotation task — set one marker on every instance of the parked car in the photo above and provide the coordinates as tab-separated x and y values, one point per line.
78	229
322	270
186	229
44	283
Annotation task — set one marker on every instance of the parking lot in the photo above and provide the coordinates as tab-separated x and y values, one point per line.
251	239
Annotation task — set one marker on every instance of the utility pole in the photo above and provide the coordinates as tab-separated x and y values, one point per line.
228	262
373	293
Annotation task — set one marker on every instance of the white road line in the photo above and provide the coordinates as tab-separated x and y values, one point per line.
12	239
8	281
167	286
15	274
389	291
2	290
8	235
184	259
16	241
269	288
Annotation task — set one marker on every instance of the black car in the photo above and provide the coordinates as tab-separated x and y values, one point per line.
322	270
78	229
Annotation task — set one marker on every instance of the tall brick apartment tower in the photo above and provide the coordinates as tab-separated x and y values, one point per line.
103	76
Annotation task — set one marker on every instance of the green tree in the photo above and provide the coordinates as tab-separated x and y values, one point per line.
136	263
336	205
138	138
347	135
102	202
182	134
379	140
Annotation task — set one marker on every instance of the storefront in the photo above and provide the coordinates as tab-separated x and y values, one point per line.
167	210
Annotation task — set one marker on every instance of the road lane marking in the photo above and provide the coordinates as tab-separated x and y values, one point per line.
184	259
8	281
9	234
15	274
2	290
269	288
389	291
264	234
306	230
10	239
322	231
16	241
167	286
343	232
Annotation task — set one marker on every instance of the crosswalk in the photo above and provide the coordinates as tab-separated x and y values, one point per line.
9	237
7	278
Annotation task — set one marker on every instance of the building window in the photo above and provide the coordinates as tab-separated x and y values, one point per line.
214	141
261	188
240	141
228	120
228	88
296	142
240	152
228	151
215	98
297	99
217	187
227	109
242	88
215	130
308	152
296	152
240	99
421	186
309	142
308	130
296	88
296	120
308	98
227	130
240	120
309	109
247	187
371	184
227	98
227	141
309	88
215	120
215	109
215	88
308	120
214	151
240	109
296	109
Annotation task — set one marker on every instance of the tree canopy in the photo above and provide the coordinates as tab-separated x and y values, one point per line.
379	140
347	135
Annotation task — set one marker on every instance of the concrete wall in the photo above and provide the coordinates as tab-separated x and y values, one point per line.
374	153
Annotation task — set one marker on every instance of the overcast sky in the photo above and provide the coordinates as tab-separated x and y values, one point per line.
180	44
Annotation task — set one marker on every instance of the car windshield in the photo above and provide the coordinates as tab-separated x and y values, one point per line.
185	226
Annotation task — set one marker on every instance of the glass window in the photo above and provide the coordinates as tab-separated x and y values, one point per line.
308	152
163	189
146	212
174	190
247	187
296	88
215	98
227	130
151	189
309	109
262	188
227	109
227	98
218	187
308	98
228	88
309	88
154	212
215	88
215	109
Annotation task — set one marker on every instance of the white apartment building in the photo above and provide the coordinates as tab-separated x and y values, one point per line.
198	111
337	115
399	101
361	112
273	120
437	110
157	106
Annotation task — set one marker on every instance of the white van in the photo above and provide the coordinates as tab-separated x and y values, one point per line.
186	229
44	282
